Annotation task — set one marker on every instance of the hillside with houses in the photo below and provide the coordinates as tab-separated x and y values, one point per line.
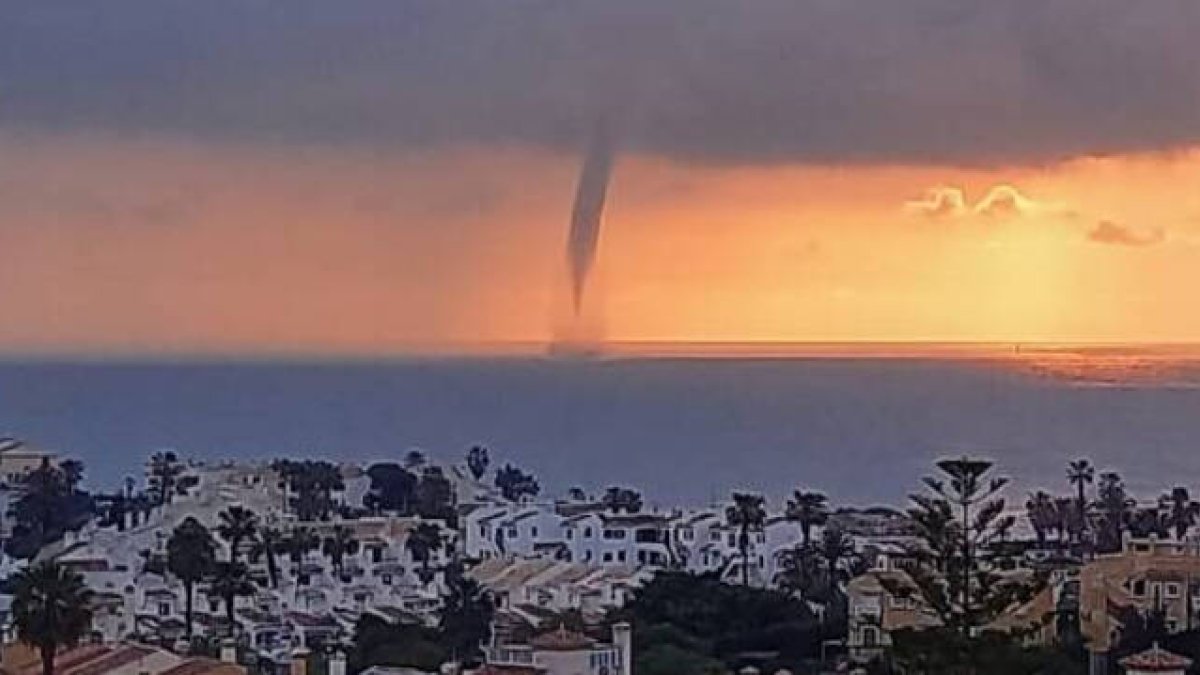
294	566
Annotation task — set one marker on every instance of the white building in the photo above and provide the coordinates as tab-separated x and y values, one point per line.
564	652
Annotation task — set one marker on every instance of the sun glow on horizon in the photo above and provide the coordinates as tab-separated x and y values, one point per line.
129	245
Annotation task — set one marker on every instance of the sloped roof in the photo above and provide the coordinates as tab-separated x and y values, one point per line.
1156	660
562	640
634	519
82	660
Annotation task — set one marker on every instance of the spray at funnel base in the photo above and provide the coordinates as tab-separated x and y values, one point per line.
587	213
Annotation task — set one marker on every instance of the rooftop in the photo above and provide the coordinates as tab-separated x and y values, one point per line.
562	640
1156	660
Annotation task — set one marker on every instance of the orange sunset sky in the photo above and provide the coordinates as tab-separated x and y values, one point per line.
117	244
178	203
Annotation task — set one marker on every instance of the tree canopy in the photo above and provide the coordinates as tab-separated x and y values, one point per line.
516	485
50	505
700	623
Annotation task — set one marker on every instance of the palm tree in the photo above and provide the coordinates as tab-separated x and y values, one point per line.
51	608
1116	508
1043	517
477	461
300	542
835	548
807	509
617	499
338	546
236	525
308	486
1066	520
191	553
72	473
423	543
798	570
1080	473
230	581
1182	511
268	544
162	473
414	459
748	512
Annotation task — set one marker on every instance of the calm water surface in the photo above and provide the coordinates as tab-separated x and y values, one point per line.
684	429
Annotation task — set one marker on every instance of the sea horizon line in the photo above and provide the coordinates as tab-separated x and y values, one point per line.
619	349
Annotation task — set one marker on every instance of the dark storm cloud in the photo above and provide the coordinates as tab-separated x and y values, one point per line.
709	80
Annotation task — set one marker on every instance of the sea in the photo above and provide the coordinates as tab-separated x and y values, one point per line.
686	424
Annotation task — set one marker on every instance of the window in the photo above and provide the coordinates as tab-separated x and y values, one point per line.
649	536
608	556
483	531
715	536
1171	589
512	533
1139	588
688	534
614	534
587	555
621	556
386	579
533	532
732	539
587	533
870	636
164	609
570	533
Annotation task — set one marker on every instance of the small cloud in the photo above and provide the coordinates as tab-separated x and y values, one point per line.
999	202
1005	201
1108	232
939	202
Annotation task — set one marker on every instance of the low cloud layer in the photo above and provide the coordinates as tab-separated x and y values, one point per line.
911	81
1109	232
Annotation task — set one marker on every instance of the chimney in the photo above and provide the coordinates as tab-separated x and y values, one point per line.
299	661
337	663
622	637
228	651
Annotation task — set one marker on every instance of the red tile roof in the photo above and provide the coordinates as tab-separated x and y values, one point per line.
121	656
193	667
562	640
1156	660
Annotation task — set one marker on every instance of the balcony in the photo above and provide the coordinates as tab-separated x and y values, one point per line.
509	656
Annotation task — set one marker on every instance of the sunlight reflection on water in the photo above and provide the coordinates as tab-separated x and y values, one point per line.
1113	367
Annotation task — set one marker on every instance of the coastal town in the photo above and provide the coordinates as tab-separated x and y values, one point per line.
392	568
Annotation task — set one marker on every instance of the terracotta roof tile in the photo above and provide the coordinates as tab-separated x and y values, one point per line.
1156	660
562	640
